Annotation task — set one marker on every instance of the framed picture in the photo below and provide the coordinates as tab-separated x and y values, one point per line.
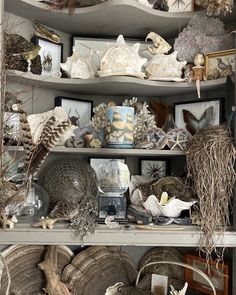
198	114
96	162
220	64
180	5
76	108
219	276
51	56
153	167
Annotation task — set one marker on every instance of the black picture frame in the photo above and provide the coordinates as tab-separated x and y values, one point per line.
55	67
76	104
198	114
147	164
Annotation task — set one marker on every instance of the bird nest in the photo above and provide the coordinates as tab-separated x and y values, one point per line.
22	261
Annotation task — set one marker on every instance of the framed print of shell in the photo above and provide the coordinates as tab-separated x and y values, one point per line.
198	114
156	168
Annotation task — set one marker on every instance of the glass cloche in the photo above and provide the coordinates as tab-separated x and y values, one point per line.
113	177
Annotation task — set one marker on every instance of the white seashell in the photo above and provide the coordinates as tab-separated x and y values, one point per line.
172	208
165	67
181	292
113	290
37	122
79	67
121	59
145	2
159	44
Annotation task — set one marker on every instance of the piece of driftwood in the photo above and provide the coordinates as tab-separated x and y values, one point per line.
54	284
138	215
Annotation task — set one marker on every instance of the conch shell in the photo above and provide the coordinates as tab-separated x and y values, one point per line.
159	44
181	292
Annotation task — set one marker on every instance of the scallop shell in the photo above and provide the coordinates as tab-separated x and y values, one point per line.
22	262
98	267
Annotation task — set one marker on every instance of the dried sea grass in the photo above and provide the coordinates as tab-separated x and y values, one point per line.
210	163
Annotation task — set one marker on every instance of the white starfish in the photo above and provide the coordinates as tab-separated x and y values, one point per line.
177	142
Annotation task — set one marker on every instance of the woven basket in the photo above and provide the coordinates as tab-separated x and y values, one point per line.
179	264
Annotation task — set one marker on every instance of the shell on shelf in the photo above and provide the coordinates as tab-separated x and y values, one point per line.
79	67
181	292
121	59
172	208
178	138
159	44
165	68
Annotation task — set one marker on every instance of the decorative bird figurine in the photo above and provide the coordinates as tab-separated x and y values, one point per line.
29	55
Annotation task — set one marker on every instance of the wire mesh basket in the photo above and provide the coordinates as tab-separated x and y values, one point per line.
179	264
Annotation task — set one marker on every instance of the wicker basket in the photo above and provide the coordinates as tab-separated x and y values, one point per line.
179	264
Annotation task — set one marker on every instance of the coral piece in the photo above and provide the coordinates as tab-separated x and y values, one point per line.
16	46
121	59
202	34
159	44
215	7
165	67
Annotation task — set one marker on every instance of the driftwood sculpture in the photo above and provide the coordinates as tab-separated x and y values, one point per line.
54	284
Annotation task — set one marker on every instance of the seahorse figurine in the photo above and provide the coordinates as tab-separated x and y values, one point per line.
181	292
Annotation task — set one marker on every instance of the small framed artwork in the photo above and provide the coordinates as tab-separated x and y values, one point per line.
198	114
219	275
180	5
95	163
51	56
153	167
220	64
76	109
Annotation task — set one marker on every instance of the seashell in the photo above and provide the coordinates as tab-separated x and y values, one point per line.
37	122
165	68
172	208
44	32
121	59
160	45
113	290
181	292
79	67
95	143
146	3
178	138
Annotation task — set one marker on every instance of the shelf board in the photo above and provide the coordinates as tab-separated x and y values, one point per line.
188	236
107	151
114	85
110	18
117	152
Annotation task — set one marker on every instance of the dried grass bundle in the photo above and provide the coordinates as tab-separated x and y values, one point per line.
210	164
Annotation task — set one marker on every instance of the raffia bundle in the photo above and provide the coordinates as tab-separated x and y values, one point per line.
210	164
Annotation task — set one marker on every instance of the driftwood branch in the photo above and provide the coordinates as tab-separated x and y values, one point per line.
54	285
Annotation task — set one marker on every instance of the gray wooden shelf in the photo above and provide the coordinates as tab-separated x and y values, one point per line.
110	18
163	236
118	152
115	85
107	151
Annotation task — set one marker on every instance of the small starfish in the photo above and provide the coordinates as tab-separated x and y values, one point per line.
177	142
